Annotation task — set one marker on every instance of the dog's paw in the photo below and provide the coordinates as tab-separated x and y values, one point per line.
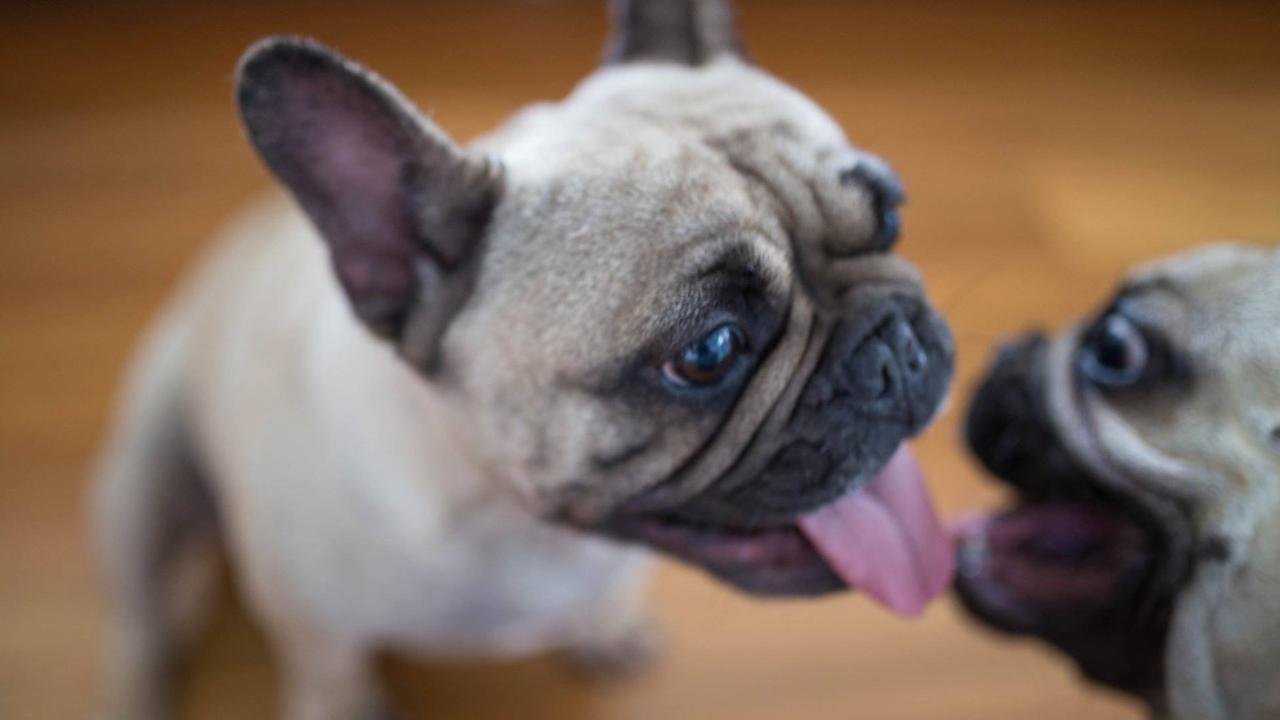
621	655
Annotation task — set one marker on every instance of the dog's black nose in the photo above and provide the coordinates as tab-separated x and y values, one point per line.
1010	429
892	366
1007	428
906	347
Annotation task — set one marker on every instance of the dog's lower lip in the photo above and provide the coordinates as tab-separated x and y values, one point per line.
1113	620
722	545
770	560
1054	556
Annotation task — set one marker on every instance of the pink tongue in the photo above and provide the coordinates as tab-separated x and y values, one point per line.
885	538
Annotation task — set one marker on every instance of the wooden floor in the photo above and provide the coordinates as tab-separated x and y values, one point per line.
1045	146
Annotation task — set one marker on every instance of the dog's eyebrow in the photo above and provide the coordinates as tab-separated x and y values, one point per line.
735	259
1149	284
736	262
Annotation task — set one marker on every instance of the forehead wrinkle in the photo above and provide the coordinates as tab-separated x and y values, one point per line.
1159	304
1214	273
1145	286
1220	316
732	248
684	295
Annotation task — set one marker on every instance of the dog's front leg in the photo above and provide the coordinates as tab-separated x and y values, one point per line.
620	638
326	677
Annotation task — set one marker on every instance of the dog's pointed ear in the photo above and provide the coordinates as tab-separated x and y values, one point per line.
690	32
402	208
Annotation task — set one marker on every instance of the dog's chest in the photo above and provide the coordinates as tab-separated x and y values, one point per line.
344	498
505	591
468	582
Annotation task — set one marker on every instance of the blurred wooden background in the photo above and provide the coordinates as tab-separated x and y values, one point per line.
1045	146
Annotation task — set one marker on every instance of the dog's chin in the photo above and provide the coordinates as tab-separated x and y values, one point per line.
768	561
881	536
1088	570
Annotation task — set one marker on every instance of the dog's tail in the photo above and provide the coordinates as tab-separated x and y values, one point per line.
689	32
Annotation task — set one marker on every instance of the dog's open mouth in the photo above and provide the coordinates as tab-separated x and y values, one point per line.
1052	562
1089	571
883	539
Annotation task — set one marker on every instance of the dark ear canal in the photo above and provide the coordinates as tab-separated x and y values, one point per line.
689	32
401	207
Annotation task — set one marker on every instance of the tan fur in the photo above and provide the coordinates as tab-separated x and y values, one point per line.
364	507
1216	447
593	193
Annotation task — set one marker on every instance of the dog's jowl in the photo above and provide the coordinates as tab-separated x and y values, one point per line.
1141	442
445	399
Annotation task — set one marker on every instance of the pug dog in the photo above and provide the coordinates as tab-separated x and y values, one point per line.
1144	447
446	406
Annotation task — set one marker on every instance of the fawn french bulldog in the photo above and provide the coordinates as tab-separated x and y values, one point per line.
445	406
1144	444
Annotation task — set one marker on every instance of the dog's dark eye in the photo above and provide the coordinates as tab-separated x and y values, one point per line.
1114	353
708	360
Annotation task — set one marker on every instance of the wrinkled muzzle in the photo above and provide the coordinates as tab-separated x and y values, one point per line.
882	369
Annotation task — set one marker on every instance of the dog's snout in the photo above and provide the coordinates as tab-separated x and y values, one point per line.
906	346
891	362
882	375
869	371
999	427
1006	427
